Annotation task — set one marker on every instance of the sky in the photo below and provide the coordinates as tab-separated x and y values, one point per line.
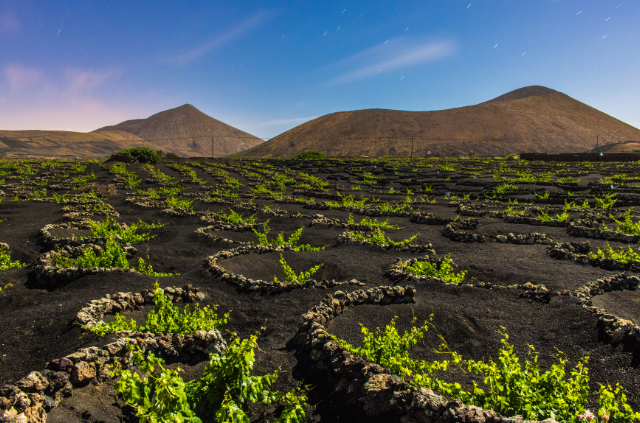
268	66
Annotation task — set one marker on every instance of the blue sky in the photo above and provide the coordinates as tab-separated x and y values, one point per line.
267	66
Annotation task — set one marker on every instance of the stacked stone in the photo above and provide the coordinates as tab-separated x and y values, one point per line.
34	395
249	284
428	219
50	274
181	212
372	385
397	270
617	329
347	237
450	231
575	229
577	252
514	218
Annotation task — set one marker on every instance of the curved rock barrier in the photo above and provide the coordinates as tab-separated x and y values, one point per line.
372	385
31	397
530	291
51	274
514	218
575	229
616	328
46	238
249	284
450	231
578	253
347	237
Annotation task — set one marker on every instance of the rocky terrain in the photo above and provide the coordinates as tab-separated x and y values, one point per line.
533	249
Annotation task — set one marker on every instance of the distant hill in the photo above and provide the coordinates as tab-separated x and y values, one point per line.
530	119
186	131
65	144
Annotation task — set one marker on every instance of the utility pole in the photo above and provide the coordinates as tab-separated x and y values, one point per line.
411	147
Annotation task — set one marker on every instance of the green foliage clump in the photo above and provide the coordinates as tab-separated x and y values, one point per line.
291	277
178	203
370	223
167	318
236	218
112	256
223	392
510	386
377	236
544	216
148	270
346	201
109	228
279	239
443	270
6	263
618	254
627	226
310	155
606	202
143	154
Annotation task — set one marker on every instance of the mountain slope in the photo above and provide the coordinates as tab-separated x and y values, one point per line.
187	131
65	144
530	119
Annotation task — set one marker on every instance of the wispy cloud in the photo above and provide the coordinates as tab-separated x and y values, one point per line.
69	98
231	33
9	23
395	54
19	77
81	80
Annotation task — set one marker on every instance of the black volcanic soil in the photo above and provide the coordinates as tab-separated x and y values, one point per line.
37	324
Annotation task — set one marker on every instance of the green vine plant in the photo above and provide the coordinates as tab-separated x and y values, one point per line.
109	228
131	180
166	318
510	386
543	196
627	226
236	218
111	256
618	254
544	216
606	202
443	270
290	276
369	223
346	201
377	237
178	203
279	239
148	270
4	288
5	260
224	392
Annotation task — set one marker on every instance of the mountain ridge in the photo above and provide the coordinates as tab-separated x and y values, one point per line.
528	119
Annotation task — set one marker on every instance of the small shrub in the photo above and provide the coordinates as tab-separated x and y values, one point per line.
5	260
377	237
279	240
143	154
222	394
291	277
167	318
310	155
443	270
